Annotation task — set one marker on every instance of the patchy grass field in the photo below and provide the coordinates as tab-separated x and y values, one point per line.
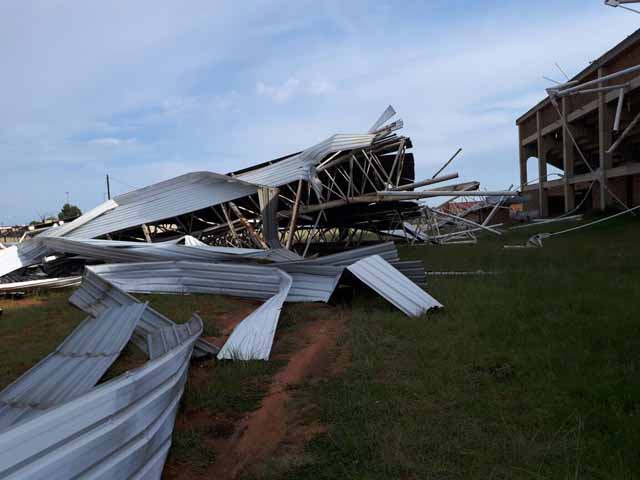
530	373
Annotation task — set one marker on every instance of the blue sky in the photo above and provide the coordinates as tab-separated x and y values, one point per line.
148	90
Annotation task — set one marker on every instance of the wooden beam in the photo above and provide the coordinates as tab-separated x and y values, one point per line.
294	216
252	232
145	231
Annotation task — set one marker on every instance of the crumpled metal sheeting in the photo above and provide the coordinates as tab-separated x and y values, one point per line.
43	283
68	228
252	338
414	269
386	250
120	429
173	197
388	114
310	284
20	256
165	339
282	255
394	287
124	252
96	294
302	165
73	368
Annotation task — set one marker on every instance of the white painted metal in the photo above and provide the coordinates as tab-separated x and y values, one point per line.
73	368
124	252
252	338
68	228
44	283
250	281
394	287
120	429
96	294
302	165
22	255
167	199
384	117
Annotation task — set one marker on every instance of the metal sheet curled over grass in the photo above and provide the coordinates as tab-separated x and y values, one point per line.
120	429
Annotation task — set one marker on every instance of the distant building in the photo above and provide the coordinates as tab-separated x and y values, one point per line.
543	140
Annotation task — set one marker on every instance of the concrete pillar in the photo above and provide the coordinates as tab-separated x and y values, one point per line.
605	129
568	162
523	158
543	205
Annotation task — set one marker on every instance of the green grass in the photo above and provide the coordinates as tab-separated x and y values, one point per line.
533	373
31	328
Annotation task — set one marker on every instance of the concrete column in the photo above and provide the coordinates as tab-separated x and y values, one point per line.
568	162
605	129
542	171
523	158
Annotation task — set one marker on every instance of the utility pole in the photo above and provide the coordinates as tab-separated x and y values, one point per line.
67	197
108	188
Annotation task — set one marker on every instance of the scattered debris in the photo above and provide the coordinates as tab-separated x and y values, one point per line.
536	240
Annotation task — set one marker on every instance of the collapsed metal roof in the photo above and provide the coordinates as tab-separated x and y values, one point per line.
187	234
73	368
96	294
302	165
120	429
172	197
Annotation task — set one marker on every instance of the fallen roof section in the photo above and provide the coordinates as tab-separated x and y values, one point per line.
176	196
310	284
96	294
73	368
42	283
21	256
252	338
125	252
394	287
120	429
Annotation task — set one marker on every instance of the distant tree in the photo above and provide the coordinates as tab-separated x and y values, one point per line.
69	211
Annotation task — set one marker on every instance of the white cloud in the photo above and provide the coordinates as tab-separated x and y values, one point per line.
112	142
169	88
321	87
279	93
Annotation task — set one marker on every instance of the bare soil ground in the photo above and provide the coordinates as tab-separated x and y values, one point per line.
244	444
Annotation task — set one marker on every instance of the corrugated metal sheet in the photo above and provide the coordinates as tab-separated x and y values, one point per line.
252	338
117	251
167	199
44	283
310	284
95	294
22	255
73	368
386	250
166	339
302	165
386	115
394	287
414	270
68	228
120	429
